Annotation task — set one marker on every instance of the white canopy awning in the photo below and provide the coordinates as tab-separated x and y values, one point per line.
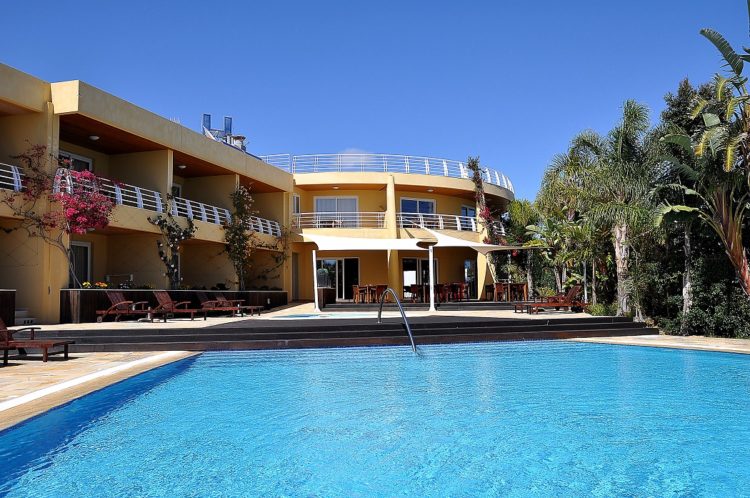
444	240
332	243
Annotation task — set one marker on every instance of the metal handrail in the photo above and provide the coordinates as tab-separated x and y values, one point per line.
437	221
357	219
394	163
403	315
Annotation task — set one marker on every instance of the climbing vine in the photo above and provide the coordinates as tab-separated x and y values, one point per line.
489	219
173	234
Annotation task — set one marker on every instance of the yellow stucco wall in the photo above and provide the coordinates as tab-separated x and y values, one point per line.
136	254
206	264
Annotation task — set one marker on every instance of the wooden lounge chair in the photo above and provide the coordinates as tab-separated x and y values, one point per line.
221	305
8	342
167	306
244	308
122	307
567	301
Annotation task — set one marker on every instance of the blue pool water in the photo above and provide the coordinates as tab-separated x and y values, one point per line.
515	419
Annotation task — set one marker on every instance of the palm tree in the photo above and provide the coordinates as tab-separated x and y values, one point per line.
522	213
716	161
619	185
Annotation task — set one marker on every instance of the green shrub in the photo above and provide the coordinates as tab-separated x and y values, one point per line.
601	309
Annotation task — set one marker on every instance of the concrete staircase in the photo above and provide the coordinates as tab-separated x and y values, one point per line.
273	334
22	317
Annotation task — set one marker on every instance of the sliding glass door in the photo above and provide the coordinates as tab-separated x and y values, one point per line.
341	274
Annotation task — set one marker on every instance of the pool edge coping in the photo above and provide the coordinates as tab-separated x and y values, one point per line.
16	410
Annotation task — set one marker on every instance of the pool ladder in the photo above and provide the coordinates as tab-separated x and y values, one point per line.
403	315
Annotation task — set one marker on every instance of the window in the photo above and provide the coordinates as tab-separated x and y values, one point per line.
468	212
295	204
421	206
77	163
414	211
336	212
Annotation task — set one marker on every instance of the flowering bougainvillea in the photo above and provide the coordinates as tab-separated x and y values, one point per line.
55	202
490	221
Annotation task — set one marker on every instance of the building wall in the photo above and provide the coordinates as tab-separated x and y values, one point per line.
206	264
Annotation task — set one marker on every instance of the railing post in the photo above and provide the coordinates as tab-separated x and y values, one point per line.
445	168
406	163
138	197
157	199
459	223
473	224
426	166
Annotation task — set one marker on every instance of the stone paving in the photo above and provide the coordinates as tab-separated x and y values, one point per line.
678	342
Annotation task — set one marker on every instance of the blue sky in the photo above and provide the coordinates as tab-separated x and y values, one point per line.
510	81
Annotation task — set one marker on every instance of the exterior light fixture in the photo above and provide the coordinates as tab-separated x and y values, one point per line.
430	190
94	137
181	166
335	187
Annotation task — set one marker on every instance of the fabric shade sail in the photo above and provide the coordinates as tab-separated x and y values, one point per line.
444	240
332	243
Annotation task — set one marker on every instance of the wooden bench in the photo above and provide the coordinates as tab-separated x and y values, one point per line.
7	343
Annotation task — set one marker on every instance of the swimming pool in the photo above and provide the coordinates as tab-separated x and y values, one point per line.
518	419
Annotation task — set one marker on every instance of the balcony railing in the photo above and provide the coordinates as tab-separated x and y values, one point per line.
438	222
371	163
199	211
10	177
339	220
123	194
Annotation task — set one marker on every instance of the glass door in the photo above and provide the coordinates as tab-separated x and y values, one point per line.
340	274
470	277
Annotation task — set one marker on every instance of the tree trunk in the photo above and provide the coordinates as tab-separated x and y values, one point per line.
529	276
558	284
622	255
687	280
593	281
563	276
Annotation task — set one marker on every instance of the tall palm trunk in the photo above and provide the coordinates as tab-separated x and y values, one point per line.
593	281
622	256
529	276
687	280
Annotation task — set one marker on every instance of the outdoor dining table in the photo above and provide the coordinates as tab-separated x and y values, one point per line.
507	292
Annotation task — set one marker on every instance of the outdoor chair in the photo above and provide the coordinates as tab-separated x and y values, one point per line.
167	306
122	307
567	301
8	342
220	305
240	303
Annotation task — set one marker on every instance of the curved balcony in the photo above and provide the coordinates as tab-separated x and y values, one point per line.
123	194
438	222
338	220
10	177
379	163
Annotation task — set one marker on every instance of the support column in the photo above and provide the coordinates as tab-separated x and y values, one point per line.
390	208
315	279
394	276
431	266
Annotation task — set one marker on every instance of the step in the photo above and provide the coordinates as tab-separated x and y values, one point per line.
171	336
357	341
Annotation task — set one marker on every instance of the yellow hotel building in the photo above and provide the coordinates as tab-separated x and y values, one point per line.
359	197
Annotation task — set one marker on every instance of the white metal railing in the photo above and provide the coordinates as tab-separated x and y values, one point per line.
130	195
200	211
121	194
339	220
10	177
438	221
262	225
326	163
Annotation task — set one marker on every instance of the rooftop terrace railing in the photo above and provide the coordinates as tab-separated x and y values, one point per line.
377	163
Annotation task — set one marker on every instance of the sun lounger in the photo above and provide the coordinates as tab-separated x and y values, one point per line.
167	306
122	307
240	303
221	305
8	342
